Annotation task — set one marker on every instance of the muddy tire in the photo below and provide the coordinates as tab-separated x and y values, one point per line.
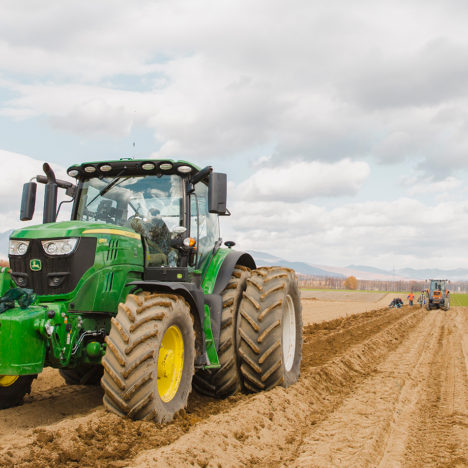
149	361
270	329
226	380
89	375
13	391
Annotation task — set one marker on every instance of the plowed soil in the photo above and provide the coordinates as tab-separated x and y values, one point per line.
386	388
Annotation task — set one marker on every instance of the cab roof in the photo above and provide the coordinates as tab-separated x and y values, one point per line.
129	167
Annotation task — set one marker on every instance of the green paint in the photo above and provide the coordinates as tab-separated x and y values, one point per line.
211	271
209	340
94	349
94	292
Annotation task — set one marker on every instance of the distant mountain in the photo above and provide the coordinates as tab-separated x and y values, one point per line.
460	274
365	273
369	269
264	259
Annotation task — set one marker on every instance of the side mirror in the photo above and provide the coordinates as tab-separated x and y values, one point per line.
217	193
28	201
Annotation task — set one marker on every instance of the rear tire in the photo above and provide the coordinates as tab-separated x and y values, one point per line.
149	361
270	329
83	375
12	391
225	381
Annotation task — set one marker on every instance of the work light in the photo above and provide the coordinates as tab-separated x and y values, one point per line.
59	246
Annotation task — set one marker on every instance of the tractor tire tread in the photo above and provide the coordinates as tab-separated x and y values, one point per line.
130	365
260	329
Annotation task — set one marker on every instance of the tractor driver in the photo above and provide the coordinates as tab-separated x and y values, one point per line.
157	235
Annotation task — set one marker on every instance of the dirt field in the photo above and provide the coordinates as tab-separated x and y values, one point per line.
328	305
382	388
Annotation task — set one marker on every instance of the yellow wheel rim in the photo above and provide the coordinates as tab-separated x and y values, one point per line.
170	363
8	380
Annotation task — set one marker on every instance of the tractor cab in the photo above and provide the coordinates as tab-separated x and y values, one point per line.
166	203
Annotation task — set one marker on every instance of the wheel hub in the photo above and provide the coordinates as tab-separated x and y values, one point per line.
170	363
289	333
8	380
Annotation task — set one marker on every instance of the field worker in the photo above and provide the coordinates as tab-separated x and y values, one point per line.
411	298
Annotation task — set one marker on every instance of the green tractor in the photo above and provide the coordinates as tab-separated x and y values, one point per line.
136	293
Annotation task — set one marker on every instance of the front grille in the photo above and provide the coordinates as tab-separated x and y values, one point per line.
59	274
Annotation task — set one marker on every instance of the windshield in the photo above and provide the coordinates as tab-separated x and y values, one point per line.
132	197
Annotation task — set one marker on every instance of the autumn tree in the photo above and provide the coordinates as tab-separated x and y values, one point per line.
351	282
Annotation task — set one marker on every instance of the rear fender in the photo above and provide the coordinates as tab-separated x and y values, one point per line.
216	278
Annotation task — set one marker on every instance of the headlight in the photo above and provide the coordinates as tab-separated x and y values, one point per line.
59	246
18	247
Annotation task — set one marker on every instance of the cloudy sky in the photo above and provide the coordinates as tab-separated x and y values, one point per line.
343	125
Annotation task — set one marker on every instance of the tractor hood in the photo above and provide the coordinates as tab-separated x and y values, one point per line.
71	229
94	269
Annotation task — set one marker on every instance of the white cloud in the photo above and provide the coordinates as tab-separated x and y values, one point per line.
419	185
302	180
404	232
216	79
16	170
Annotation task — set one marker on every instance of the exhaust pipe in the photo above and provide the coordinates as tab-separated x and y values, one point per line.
50	196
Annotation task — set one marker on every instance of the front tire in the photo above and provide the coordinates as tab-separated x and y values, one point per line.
13	388
149	361
270	330
225	381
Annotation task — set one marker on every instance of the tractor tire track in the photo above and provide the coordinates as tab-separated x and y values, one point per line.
412	413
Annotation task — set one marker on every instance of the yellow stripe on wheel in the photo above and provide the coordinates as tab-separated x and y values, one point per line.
8	380
170	363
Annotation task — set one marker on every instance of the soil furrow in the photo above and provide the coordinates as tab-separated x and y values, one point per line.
439	430
265	429
356	433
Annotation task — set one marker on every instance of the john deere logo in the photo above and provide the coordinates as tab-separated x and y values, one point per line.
35	264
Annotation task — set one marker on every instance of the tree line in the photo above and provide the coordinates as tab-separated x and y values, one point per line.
352	283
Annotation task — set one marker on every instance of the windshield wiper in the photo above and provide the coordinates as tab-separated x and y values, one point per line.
109	186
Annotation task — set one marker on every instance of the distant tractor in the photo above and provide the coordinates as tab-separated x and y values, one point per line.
438	296
137	293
